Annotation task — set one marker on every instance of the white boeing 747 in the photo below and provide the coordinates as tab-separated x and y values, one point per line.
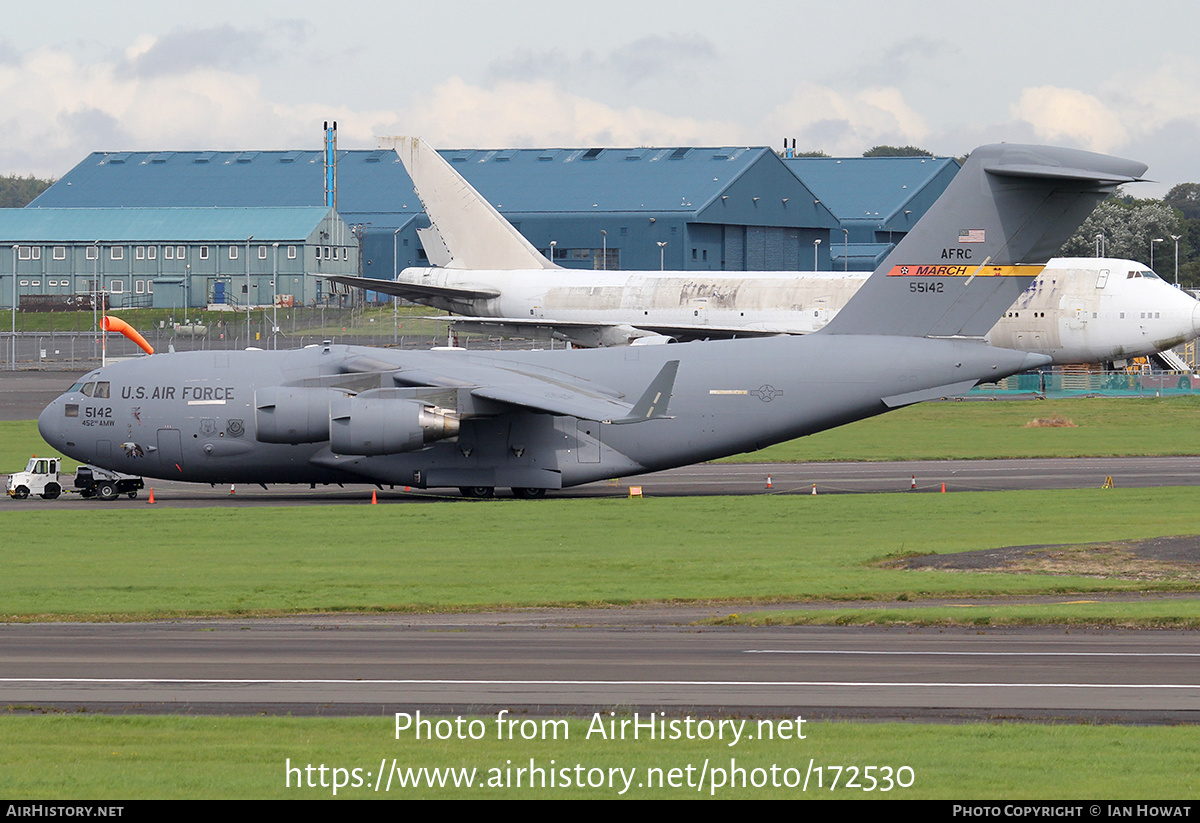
1078	310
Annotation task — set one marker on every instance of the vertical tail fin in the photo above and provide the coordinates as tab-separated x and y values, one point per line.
475	235
1007	211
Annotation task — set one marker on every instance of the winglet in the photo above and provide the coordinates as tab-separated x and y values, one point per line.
653	402
475	235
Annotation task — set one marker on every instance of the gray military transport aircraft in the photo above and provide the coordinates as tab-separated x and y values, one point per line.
533	421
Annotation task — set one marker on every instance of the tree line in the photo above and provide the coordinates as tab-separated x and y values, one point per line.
17	192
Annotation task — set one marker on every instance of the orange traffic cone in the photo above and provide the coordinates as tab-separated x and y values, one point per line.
151	500
814	488
769	484
374	499
913	485
232	489
943	487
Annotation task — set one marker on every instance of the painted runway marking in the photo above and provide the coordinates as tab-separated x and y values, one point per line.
976	654
724	683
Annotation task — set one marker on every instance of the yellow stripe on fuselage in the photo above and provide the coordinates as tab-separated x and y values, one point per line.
965	271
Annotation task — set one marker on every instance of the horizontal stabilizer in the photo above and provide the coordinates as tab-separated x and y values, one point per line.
412	291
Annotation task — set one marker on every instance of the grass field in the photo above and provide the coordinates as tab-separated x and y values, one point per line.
97	758
982	429
154	562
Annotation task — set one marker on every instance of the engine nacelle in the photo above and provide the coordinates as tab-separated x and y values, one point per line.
375	425
652	340
293	414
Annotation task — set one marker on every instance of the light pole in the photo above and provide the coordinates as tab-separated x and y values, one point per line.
95	295
248	239
1100	244
275	297
14	309
604	254
816	245
553	243
395	276
1152	242
1176	237
661	249
846	251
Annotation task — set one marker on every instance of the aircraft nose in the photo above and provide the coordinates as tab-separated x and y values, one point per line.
1195	319
50	424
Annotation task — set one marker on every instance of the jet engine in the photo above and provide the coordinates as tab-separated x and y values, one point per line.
293	414
377	425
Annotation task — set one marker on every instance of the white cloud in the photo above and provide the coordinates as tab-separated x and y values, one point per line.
846	124
1058	114
539	113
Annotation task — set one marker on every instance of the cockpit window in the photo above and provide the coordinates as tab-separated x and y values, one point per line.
76	387
88	388
101	389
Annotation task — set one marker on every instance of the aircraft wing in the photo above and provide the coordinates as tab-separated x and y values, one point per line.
546	391
598	333
414	292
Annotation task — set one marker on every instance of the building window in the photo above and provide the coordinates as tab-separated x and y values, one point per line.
204	252
139	253
262	252
233	252
152	252
291	252
116	253
92	253
168	253
60	252
116	286
345	254
24	253
179	253
149	287
140	286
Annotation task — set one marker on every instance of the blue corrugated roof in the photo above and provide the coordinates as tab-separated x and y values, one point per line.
550	180
868	188
152	225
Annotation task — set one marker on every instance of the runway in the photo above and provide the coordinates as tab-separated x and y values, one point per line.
717	479
460	664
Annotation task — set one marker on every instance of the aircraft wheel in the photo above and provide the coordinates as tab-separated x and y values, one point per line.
132	495
528	494
106	491
51	491
478	492
20	493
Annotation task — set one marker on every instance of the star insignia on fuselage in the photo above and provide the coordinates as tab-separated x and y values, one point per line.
767	393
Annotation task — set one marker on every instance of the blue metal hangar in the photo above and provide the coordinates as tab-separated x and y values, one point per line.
683	208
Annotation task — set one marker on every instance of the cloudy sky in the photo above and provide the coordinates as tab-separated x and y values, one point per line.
1109	76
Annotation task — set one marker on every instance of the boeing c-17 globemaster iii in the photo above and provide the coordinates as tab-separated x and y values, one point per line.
534	421
1078	311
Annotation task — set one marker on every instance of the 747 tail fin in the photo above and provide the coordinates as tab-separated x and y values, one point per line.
1007	211
474	234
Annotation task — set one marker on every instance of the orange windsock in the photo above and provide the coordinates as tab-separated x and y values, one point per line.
110	323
